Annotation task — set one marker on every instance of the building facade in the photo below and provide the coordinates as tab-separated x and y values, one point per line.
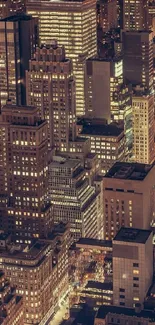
73	24
108	142
72	198
135	15
107	97
11	308
50	86
17	45
40	273
24	172
128	197
143	127
138	57
132	251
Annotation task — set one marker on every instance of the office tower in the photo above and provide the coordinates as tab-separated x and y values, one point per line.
107	141
50	86
40	273
138	57
17	45
72	198
73	24
106	94
132	266
107	14
24	172
110	315
135	15
11	308
143	126
128	195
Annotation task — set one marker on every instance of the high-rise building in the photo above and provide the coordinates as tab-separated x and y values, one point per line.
39	271
50	86
107	141
135	14
107	14
11	7
73	24
107	97
18	37
128	195
11	307
73	199
143	126
138	57
132	266
24	172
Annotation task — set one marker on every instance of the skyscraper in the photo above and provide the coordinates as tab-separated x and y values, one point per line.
143	126
73	24
135	14
18	38
50	86
107	96
138	57
24	172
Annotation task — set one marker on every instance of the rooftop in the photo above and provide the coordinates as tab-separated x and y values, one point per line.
104	310
64	162
111	57
18	108
132	235
99	285
102	130
17	18
132	171
94	242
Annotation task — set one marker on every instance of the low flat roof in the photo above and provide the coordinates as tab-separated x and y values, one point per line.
65	163
132	171
132	235
17	18
102	130
94	242
104	310
99	285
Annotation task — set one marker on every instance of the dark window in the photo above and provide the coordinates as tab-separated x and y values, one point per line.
119	190
122	296
108	189
122	303
135	285
121	290
135	279
135	265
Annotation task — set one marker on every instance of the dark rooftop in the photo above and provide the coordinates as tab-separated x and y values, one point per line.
104	130
132	235
104	310
99	285
111	57
132	171
94	242
17	18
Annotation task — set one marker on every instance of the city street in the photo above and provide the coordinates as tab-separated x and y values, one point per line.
58	318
